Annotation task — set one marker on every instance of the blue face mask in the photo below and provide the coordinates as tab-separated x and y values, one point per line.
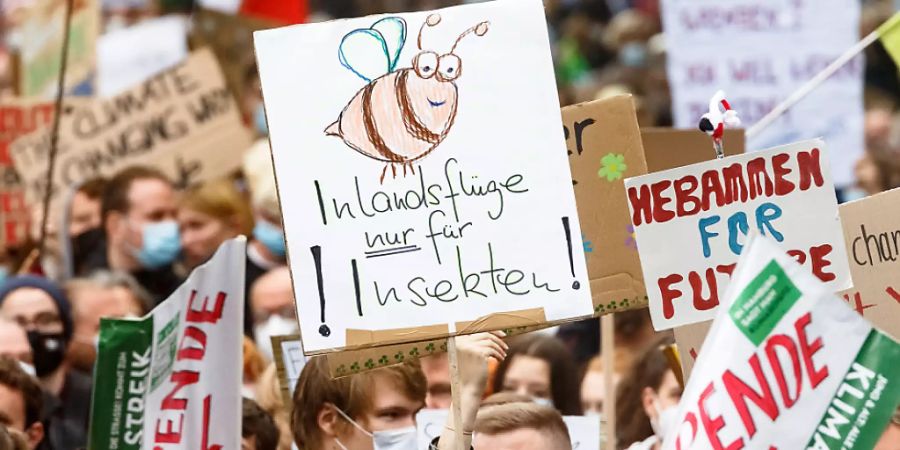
4	273
270	236
162	244
633	54
259	120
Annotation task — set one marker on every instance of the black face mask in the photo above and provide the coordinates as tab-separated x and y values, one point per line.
49	351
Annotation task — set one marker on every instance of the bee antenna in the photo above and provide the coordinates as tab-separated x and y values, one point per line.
431	21
479	30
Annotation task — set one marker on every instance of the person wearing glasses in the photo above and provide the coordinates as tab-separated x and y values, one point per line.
42	309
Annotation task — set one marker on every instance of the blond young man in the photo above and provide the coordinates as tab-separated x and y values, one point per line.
376	410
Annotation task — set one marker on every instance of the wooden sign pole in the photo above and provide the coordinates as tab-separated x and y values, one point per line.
54	137
607	352
455	388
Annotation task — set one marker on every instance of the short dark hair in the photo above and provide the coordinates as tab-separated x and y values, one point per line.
13	377
259	425
93	188
115	195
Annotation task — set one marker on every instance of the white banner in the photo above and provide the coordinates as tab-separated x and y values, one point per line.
172	379
759	52
787	365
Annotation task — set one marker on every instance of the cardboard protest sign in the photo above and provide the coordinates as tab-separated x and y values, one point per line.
162	43
785	192
289	362
760	52
182	121
419	203
774	361
41	38
172	379
17	117
872	234
584	432
604	145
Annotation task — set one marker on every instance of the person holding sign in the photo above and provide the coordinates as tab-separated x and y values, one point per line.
377	409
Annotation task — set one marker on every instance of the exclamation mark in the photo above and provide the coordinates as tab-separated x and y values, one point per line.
317	259
565	221
356	287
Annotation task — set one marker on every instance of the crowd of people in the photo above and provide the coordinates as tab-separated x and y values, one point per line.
133	238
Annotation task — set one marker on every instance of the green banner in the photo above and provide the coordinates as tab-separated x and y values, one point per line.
120	384
864	401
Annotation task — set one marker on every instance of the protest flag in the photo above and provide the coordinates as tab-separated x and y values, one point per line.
787	365
172	379
889	33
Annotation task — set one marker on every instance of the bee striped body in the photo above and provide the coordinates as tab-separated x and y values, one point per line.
398	118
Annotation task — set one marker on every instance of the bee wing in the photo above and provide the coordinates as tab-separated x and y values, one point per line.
393	31
365	53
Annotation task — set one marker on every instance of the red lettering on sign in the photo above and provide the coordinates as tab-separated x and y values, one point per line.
783	341
669	294
890	291
204	315
740	392
712	425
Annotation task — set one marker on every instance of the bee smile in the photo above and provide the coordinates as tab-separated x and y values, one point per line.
434	103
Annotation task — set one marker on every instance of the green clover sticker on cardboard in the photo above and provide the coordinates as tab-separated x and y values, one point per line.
612	166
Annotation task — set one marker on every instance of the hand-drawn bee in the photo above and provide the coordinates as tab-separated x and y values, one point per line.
402	115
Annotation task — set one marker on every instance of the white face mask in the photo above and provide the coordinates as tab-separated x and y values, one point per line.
27	368
544	401
275	325
399	439
666	420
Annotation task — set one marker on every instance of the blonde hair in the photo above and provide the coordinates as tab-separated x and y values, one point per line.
220	199
509	417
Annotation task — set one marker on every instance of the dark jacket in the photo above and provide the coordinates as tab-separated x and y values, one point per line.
90	255
66	417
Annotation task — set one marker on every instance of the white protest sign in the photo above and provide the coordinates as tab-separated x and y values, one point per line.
759	52
172	379
785	353
421	190
691	223
289	361
584	432
131	55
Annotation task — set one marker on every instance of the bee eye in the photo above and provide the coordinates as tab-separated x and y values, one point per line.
426	64
449	67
